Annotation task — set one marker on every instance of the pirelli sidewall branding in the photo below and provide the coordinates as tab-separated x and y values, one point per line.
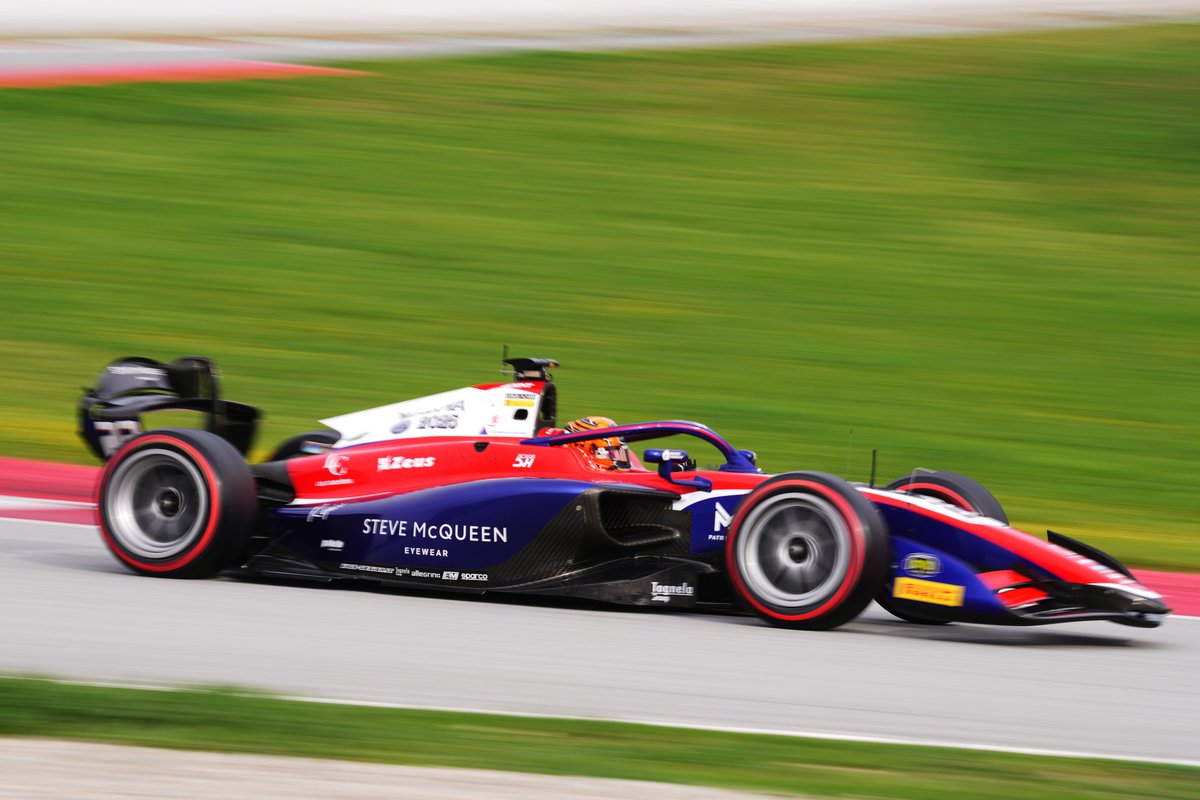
464	529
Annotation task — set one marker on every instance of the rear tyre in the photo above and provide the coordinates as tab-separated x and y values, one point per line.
177	503
949	487
806	550
290	448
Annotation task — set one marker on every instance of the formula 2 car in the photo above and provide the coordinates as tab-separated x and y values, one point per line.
475	490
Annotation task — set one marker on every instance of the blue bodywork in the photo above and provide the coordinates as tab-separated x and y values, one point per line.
463	526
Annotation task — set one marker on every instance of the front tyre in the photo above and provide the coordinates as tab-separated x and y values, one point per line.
949	487
806	550
177	503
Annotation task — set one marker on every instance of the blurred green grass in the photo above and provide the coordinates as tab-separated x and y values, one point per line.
231	721
978	254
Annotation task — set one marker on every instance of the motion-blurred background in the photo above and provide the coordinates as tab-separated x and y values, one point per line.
977	253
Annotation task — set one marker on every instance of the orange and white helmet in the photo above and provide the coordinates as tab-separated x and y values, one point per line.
608	452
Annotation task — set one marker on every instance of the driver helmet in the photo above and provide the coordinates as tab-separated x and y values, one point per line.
609	452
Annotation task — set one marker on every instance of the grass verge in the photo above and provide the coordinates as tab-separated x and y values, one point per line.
977	254
225	721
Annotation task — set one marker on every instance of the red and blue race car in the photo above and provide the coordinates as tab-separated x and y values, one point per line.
477	490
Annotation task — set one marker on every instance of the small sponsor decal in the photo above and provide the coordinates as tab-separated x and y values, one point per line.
520	402
942	594
148	372
367	568
474	576
663	592
399	462
524	460
332	544
335	465
449	575
721	519
923	565
425	551
439	421
322	512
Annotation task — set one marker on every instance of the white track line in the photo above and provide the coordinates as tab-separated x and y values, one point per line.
14	501
25	521
795	734
839	737
120	45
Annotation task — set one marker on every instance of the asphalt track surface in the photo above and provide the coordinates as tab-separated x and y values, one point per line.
71	611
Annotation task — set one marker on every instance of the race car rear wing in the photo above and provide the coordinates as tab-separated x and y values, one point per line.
110	413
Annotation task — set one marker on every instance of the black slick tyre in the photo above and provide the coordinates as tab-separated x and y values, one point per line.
177	503
806	550
949	487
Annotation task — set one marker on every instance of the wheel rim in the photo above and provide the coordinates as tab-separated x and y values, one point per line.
793	550
156	503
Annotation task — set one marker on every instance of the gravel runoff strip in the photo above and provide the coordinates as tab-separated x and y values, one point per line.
39	769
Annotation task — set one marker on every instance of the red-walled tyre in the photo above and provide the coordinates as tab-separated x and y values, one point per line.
957	490
949	487
177	503
806	550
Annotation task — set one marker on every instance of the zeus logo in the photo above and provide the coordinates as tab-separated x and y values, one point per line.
721	518
336	465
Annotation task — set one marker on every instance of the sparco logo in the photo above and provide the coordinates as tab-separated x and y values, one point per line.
336	465
663	592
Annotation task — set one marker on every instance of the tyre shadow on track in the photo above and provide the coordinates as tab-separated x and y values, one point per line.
46	555
874	623
997	635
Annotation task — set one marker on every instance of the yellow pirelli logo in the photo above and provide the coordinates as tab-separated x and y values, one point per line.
942	594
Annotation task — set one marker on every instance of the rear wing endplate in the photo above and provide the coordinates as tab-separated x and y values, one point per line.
110	413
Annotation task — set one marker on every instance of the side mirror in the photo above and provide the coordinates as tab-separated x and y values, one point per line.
668	459
656	456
